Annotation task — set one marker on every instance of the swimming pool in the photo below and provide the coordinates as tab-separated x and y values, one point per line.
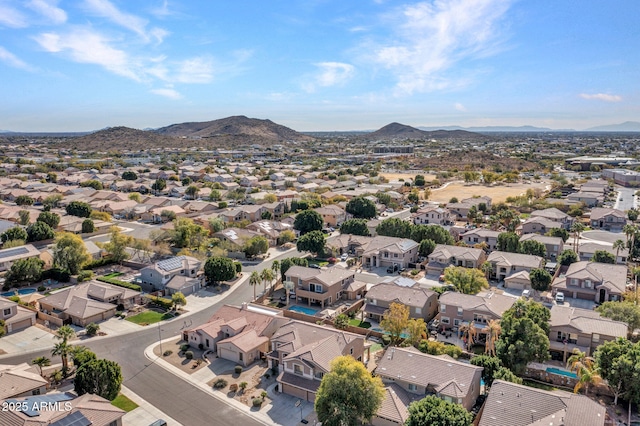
303	310
21	292
379	330
560	372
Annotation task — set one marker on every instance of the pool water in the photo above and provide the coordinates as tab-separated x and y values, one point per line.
303	310
21	292
560	372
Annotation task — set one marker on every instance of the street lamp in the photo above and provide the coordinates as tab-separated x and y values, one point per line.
160	339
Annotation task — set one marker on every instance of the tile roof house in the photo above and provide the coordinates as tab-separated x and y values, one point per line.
587	250
552	245
15	317
303	352
583	329
446	255
332	215
21	380
155	277
510	404
319	286
423	374
389	251
505	263
461	209
481	235
239	334
555	215
394	408
433	215
10	255
422	303
538	225
599	282
608	219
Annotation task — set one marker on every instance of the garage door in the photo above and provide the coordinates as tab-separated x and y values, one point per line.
293	391
227	354
19	325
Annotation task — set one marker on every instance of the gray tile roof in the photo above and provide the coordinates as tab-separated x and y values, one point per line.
492	303
409	296
586	321
514	259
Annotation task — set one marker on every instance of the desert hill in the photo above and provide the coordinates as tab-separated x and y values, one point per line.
402	131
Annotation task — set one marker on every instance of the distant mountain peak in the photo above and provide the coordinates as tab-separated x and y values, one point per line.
627	126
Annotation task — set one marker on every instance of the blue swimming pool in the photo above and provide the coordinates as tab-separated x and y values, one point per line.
21	292
303	310
379	330
560	372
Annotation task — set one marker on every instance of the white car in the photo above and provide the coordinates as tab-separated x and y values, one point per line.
560	297
344	257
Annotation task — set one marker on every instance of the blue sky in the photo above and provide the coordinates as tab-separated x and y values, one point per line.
74	65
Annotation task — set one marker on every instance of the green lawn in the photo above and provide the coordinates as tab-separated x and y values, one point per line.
376	347
124	403
113	274
357	323
148	317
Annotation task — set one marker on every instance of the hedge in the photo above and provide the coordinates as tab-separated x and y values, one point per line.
57	274
120	283
161	301
98	263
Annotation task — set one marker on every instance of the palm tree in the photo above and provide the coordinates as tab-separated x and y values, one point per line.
576	228
254	280
41	361
266	276
275	267
630	231
487	268
469	331
586	370
494	330
63	348
617	246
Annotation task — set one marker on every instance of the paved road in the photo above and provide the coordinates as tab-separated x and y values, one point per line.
626	198
176	397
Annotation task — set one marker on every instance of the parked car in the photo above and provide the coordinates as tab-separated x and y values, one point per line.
392	269
344	257
401	270
526	293
314	266
559	297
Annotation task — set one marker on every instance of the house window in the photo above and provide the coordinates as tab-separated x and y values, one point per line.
587	283
207	341
413	387
443	308
444	320
395	254
240	356
6	312
460	312
297	369
595	338
385	254
319	375
36	392
418	311
351	351
574	281
456	322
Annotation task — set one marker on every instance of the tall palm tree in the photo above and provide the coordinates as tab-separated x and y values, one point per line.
617	246
275	267
267	276
631	231
577	228
586	370
41	361
487	268
63	348
494	330
254	280
469	331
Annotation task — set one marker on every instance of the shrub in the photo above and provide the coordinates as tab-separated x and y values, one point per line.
99	262
386	340
415	272
92	329
122	284
243	385
184	347
332	260
56	274
263	394
200	346
188	354
85	276
167	353
233	387
238	267
257	402
220	384
238	369
41	288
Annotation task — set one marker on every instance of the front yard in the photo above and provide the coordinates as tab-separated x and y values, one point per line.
124	403
149	317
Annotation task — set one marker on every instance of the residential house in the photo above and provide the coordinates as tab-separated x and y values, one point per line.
21	380
511	404
600	282
587	250
15	317
238	334
422	374
422	303
10	255
249	181
319	286
183	284
270	229
84	303
236	237
433	215
555	215
162	214
302	353
332	215
446	255
389	251
552	245
538	225
276	209
458	309
394	407
608	219
479	236
461	209
581	329
155	277
505	264
588	198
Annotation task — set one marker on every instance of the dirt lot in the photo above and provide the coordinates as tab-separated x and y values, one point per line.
254	375
406	176
498	193
178	359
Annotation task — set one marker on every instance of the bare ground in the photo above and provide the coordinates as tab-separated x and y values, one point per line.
498	193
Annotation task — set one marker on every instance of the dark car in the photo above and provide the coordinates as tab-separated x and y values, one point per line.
314	266
393	268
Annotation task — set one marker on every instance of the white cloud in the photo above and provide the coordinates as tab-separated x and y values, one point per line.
195	70
85	46
49	9
12	60
330	74
167	93
601	97
106	9
433	36
10	17
459	107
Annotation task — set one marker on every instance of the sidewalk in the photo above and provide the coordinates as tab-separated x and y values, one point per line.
145	414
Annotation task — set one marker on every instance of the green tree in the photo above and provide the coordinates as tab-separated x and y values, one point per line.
307	221
433	411
79	209
577	228
586	370
437	233
465	280
216	224
617	246
534	248
41	362
341	322
81	354
88	226
24	200
361	208
266	276
608	359
215	195
52	177
159	185
286	236
254	281
100	377
255	246
192	191
558	232
129	175
567	257
508	241
490	365
52	201
25	270
116	248
395	320
187	234
394	227
39	231
416	331
626	311
355	227
507	375
50	219
24	217
313	242
419	180
540	279
178	300
92	183
69	252
603	256
92	329
426	247
14	234
63	348
524	337
348	394
287	263
218	269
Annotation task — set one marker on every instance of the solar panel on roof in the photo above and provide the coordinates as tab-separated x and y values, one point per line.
171	264
74	419
13	252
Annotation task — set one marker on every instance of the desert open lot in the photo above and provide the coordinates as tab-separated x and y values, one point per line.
498	193
406	176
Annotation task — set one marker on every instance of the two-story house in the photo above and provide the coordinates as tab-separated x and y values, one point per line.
461	209
505	264
390	251
423	375
445	255
433	215
538	225
155	277
479	236
587	250
608	219
582	329
332	215
319	286
599	282
302	353
552	245
555	215
15	317
422	303
458	309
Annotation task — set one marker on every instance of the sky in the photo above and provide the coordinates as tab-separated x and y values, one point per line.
314	65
